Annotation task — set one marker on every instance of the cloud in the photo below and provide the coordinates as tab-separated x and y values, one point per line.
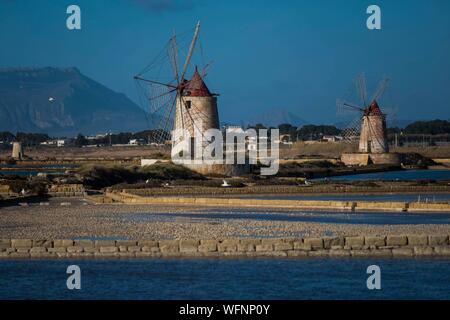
160	6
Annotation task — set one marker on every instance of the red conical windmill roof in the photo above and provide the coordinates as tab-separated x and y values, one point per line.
196	87
373	109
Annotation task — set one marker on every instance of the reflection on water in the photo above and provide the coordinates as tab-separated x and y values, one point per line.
398	175
34	170
344	217
421	197
26	173
207	278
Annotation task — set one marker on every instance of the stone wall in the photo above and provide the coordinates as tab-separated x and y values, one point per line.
5	190
294	190
230	170
385	158
363	159
125	197
66	190
355	159
357	246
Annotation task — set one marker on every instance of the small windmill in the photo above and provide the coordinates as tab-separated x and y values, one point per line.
175	103
370	124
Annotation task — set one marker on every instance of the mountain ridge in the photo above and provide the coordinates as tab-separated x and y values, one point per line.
63	101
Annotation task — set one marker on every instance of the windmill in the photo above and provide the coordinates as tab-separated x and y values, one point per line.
177	105
370	124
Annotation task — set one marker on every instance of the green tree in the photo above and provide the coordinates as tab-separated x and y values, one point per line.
429	127
312	131
6	136
31	139
81	140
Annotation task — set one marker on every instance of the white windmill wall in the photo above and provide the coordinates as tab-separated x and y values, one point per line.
17	152
201	110
373	137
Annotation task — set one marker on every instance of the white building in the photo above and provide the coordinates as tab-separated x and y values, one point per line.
329	138
136	142
57	142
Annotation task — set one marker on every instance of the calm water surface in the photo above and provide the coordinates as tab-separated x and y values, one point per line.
313	278
407	197
398	175
339	217
34	170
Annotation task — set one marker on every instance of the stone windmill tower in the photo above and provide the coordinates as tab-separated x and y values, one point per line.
196	108
373	136
181	107
370	125
17	151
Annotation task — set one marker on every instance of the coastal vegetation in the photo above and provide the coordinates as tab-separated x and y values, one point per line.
426	127
101	176
301	133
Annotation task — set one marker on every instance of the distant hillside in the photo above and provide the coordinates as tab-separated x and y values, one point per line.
429	127
63	102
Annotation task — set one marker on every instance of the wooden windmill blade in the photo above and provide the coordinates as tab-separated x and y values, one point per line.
361	88
191	51
173	54
382	86
181	83
344	108
165	90
206	68
157	94
390	114
352	130
159	88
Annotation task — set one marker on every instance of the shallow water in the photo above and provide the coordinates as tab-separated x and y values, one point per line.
407	197
343	217
398	175
34	170
256	278
27	173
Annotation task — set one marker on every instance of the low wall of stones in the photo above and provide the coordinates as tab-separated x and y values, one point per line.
294	190
73	160
385	158
358	246
353	159
66	190
129	198
6	190
55	190
230	170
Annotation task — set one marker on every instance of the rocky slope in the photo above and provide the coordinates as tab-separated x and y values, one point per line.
63	102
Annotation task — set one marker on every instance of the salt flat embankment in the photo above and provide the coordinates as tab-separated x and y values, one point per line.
129	198
377	246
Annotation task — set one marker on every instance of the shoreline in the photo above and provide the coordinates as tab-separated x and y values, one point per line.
75	218
402	206
400	246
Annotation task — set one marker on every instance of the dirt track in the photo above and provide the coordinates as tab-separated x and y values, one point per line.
75	218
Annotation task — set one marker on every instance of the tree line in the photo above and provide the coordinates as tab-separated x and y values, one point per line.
305	132
34	139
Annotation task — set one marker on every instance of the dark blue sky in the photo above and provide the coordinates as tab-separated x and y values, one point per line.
268	55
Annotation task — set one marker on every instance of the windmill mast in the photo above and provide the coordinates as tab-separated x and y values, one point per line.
191	50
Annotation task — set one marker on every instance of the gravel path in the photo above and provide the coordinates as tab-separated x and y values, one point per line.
118	221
